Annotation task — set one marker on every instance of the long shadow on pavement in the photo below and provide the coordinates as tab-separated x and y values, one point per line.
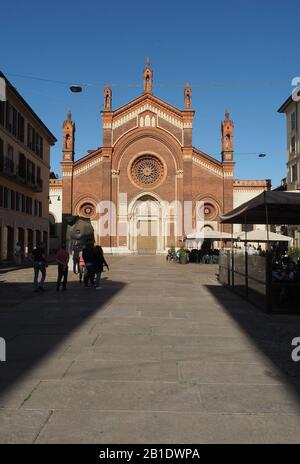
271	334
37	326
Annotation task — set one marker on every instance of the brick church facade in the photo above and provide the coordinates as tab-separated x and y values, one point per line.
148	161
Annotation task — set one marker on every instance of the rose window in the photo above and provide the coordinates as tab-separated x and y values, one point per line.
147	170
87	210
207	212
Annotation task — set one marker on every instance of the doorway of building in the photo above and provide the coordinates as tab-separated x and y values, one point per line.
29	240
21	237
147	237
145	230
10	243
38	237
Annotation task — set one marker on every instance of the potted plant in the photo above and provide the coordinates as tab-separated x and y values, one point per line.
183	256
294	253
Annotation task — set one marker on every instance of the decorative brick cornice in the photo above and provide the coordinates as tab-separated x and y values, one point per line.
175	121
87	166
206	165
264	184
55	183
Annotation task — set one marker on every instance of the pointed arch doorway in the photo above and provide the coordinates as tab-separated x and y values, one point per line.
145	230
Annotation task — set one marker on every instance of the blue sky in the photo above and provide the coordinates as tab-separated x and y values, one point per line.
237	55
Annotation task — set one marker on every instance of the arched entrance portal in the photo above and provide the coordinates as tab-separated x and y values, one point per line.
145	230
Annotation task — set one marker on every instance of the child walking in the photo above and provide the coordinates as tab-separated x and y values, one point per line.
82	269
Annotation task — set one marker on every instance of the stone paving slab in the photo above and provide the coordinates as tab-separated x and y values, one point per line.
174	340
148	427
13	396
190	328
163	354
112	395
115	352
229	372
45	369
21	427
211	353
240	398
95	369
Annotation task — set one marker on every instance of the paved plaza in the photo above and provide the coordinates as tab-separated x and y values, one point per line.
162	354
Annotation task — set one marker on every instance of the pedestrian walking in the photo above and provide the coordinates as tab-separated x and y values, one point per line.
88	256
62	259
39	266
82	269
76	252
99	263
18	253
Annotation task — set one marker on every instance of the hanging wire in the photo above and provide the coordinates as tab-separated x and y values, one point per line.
160	84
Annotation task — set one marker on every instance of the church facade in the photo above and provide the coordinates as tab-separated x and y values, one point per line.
144	187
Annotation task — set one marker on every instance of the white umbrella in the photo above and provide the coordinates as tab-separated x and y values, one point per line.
259	235
208	233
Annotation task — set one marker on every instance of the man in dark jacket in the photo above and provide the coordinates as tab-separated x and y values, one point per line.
39	265
99	263
62	259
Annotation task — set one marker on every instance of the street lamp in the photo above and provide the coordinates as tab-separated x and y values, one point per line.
76	88
259	154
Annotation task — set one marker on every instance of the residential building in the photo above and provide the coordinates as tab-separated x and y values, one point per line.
25	144
291	108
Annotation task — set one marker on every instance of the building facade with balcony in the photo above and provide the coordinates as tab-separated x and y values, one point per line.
291	108
25	144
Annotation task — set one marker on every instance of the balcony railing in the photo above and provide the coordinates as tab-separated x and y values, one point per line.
8	168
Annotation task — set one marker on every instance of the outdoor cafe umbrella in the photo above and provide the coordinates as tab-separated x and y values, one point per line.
270	207
205	234
262	236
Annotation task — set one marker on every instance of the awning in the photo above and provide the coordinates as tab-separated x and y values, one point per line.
262	236
270	207
209	234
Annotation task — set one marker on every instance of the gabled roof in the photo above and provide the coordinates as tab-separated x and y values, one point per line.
152	98
284	105
203	155
91	154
